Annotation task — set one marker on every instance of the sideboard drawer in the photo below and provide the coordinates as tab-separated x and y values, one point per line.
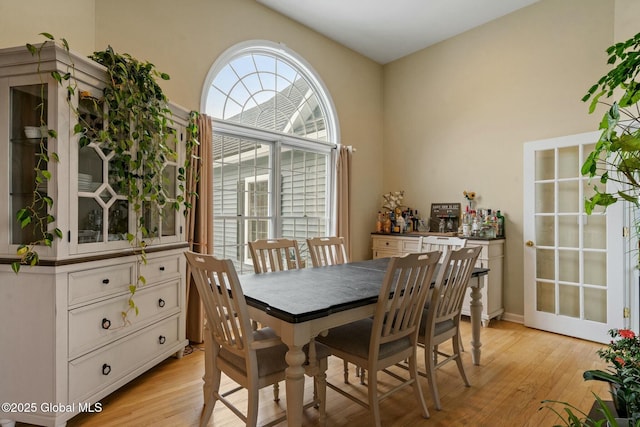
161	268
103	367
387	244
98	324
88	285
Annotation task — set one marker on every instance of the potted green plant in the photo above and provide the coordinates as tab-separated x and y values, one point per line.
136	126
616	157
623	375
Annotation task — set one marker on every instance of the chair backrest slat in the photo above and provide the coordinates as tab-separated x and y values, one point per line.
449	292
224	304
444	244
327	251
274	255
402	297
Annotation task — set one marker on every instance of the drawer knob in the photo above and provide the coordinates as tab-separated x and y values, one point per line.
161	303
162	268
162	339
106	369
386	243
106	323
105	281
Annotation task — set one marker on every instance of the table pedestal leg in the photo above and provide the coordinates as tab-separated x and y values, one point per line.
476	323
295	385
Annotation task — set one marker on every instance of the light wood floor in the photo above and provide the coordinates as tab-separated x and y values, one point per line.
520	368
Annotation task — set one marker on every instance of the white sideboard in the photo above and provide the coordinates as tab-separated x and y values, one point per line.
491	257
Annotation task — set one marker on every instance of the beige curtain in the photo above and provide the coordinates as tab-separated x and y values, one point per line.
343	194
199	220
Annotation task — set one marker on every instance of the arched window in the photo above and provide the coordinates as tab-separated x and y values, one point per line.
274	134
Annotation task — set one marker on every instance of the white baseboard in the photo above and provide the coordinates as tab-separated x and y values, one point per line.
515	318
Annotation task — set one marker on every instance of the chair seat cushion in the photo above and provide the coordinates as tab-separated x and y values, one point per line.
354	338
271	359
440	327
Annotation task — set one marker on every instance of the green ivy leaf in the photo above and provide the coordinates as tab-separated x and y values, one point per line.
15	266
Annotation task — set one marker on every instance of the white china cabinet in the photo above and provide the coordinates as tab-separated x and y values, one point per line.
63	342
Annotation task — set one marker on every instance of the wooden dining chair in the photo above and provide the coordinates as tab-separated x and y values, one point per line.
327	251
391	335
441	319
252	358
274	255
331	251
444	244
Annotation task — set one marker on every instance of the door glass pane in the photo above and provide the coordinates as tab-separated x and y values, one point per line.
545	165
545	264
545	297
595	304
569	300
568	196
595	268
569	162
545	197
545	231
570	266
595	227
569	231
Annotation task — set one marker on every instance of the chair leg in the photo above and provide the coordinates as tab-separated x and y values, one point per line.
276	392
457	346
252	405
374	403
212	377
413	373
346	371
430	365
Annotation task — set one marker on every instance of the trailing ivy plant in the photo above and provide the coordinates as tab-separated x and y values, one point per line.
136	127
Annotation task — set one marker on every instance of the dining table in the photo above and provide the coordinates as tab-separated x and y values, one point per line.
301	304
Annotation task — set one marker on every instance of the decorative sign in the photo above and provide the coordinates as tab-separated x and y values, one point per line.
445	210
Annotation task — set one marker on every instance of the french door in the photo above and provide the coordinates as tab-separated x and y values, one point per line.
574	263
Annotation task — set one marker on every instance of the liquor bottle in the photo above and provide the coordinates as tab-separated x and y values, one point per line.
379	223
500	219
466	223
416	221
386	226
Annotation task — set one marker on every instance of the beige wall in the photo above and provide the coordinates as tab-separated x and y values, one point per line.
458	113
452	117
22	21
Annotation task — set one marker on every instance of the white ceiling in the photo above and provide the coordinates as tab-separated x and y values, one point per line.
385	30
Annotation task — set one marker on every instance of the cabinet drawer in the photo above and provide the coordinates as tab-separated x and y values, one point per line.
387	244
91	284
159	269
98	324
103	367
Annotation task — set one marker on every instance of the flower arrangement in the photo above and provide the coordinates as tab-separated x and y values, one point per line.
470	196
392	200
623	375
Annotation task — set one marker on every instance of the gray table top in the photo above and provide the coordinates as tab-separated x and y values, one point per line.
297	296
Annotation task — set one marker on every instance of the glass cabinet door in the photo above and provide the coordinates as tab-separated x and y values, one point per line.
162	221
103	209
28	141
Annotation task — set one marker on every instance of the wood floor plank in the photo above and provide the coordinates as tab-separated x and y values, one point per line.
520	368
